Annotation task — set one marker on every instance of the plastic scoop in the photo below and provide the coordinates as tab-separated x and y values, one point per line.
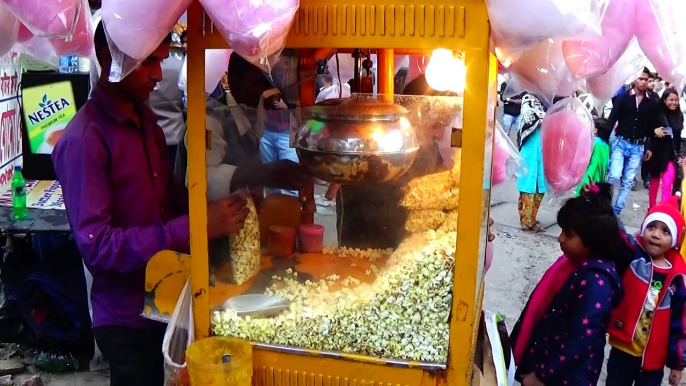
255	305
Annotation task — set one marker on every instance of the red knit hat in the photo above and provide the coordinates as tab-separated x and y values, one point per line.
669	214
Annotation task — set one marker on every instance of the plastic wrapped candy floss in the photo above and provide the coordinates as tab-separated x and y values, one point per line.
133	34
81	41
516	26
507	161
9	29
604	87
46	18
245	247
255	29
567	140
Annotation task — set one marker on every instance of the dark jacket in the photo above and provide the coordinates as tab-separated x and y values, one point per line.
567	345
634	122
666	149
511	108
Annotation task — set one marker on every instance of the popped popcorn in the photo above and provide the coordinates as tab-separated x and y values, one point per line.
437	191
424	220
245	247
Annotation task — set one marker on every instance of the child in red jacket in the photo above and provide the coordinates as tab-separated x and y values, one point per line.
648	329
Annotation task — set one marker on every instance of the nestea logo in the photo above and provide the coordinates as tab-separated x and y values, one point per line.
48	108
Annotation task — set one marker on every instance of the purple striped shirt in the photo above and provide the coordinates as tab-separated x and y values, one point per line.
123	202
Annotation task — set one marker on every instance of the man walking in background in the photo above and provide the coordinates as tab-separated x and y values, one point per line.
635	112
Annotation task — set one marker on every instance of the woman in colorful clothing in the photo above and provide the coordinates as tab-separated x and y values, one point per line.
532	185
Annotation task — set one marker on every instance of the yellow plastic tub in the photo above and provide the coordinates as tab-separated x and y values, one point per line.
205	367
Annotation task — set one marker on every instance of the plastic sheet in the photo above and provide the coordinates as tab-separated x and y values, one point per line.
9	29
662	37
595	56
132	34
542	71
255	29
216	65
567	138
507	161
81	41
24	34
629	66
46	18
39	48
516	26
177	338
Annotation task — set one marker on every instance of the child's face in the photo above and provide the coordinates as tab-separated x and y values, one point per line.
656	239
572	246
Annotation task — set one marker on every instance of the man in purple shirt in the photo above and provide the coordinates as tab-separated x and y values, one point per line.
124	206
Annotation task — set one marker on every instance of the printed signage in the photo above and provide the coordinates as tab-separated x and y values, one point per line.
47	110
10	118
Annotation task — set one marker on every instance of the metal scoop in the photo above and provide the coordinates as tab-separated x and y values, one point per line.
255	305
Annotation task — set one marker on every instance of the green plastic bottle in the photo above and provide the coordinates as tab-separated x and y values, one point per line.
19	210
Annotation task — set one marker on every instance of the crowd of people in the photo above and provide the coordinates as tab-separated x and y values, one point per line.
642	135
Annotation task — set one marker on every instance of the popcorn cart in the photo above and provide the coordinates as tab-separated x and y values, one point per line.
358	312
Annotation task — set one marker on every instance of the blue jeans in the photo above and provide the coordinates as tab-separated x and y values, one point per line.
625	162
509	120
275	146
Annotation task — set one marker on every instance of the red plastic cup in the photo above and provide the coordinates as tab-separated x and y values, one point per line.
311	238
281	242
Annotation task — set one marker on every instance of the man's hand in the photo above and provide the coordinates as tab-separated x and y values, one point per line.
280	105
649	155
675	377
226	216
531	380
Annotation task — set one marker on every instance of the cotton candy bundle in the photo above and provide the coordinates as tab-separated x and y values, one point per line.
24	34
137	27
255	29
506	158
489	256
9	28
567	137
216	64
604	87
48	18
661	34
593	57
81	41
517	26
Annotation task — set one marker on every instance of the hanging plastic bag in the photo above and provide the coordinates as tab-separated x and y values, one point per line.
40	49
24	34
216	65
9	29
542	71
255	29
133	34
587	58
46	18
177	338
604	87
567	141
507	161
516	26
662	37
81	41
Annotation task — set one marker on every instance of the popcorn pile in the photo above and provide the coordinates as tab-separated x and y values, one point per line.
403	315
245	248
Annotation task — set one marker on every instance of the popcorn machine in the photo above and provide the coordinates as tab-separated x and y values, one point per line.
356	313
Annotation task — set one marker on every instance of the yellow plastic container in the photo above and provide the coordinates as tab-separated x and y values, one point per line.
205	367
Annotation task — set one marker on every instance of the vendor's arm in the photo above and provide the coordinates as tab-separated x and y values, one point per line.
591	311
83	174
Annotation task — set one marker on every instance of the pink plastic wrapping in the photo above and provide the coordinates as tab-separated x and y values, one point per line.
567	137
216	65
134	33
24	34
629	66
516	26
81	41
595	56
255	29
542	71
39	48
661	34
507	161
46	18
9	28
489	256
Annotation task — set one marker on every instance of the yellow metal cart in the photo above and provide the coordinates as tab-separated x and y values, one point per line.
388	27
